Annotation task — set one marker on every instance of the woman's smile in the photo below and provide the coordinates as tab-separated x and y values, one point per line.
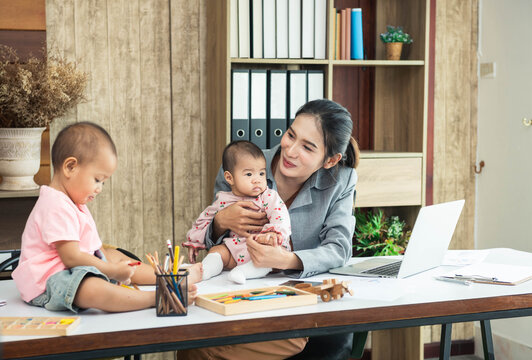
287	164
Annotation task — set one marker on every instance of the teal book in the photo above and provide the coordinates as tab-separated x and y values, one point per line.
357	42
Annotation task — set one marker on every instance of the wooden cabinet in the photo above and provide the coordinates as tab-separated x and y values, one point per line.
387	99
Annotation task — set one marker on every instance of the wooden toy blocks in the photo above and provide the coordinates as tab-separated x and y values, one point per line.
331	289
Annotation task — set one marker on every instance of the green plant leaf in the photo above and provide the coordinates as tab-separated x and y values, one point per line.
378	235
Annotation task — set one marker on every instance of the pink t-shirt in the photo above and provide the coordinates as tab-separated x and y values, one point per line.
53	218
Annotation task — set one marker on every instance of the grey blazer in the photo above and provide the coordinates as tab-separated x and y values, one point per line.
321	217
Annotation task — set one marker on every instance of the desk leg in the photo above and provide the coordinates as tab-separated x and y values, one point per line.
445	341
135	357
487	341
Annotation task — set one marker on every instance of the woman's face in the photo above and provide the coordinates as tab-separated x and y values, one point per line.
302	148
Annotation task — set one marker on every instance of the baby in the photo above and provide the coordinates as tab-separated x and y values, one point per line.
244	168
63	265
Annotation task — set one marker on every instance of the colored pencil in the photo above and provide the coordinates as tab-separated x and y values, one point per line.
169	245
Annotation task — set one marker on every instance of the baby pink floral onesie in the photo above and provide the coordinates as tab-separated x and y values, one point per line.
269	202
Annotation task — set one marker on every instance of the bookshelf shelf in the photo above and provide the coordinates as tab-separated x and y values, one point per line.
279	61
387	99
378	62
326	62
18	194
365	154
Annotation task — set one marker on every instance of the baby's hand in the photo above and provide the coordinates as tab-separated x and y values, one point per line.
269	238
123	272
192	254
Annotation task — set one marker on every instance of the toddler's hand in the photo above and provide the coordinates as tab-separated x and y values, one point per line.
192	254
269	238
123	272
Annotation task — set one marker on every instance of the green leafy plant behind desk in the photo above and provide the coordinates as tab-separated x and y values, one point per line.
379	235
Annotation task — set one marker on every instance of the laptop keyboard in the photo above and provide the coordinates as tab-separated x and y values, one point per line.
385	270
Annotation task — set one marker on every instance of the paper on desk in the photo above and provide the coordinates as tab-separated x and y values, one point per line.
499	273
509	256
464	257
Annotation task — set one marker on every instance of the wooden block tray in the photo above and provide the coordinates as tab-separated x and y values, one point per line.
300	298
38	325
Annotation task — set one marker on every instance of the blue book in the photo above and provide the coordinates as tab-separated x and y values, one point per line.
357	42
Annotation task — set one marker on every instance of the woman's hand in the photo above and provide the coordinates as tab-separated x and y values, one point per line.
242	217
272	256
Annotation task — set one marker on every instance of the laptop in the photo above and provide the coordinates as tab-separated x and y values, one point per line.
426	248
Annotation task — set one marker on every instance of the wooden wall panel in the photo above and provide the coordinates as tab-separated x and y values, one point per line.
156	129
60	30
125	122
455	120
92	54
187	123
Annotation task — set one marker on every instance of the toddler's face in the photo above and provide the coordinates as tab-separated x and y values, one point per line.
88	179
249	176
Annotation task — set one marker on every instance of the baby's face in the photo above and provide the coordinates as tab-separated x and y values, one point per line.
249	176
88	178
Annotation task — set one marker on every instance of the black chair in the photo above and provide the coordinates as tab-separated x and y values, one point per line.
11	263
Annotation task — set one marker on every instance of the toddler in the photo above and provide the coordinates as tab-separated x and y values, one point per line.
244	168
63	265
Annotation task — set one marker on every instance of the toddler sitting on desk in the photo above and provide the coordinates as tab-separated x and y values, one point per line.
63	265
244	167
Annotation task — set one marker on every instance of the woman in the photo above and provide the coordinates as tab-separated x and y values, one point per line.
313	172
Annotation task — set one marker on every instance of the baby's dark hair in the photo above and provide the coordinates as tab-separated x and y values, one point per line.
81	140
238	148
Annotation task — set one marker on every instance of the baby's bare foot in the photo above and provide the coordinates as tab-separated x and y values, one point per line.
195	273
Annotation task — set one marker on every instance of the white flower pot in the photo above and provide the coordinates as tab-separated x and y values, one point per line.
20	157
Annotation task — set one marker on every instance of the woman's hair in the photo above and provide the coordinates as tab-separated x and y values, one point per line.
81	140
238	148
336	126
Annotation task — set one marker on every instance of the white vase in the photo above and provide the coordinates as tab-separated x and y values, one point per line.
20	157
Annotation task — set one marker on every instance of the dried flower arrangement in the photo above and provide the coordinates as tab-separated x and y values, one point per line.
34	92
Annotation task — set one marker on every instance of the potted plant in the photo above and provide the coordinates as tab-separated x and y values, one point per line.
32	94
378	235
394	38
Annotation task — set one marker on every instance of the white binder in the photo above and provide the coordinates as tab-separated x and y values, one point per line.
315	84
240	104
307	29
268	23
297	84
294	29
258	116
256	20
234	29
243	28
281	10
277	112
320	26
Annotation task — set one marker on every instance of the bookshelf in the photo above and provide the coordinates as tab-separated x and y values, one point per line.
387	99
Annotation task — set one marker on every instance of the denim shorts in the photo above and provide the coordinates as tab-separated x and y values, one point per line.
61	288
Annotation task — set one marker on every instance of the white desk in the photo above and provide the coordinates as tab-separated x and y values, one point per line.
422	301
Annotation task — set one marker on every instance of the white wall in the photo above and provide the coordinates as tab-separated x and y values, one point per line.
504	188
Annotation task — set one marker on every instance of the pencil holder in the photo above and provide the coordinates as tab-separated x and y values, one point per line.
171	295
